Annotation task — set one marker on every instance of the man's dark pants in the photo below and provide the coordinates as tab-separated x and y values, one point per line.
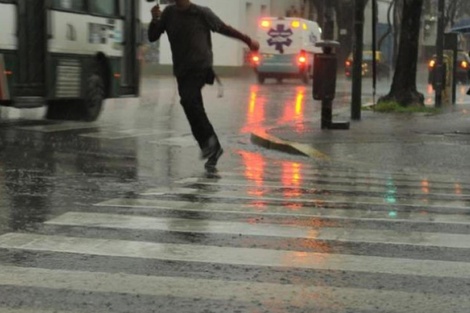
190	91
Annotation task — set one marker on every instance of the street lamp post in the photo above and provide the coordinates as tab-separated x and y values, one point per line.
357	60
439	71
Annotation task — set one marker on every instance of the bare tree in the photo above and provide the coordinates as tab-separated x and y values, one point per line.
455	9
343	9
403	89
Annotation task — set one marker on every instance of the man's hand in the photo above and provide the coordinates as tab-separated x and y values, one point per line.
254	45
156	13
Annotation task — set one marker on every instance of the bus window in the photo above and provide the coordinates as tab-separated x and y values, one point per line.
69	5
103	7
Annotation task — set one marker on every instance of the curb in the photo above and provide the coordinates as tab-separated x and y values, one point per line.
263	139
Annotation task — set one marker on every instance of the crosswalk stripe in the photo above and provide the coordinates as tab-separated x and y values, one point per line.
63	126
270	230
266	294
123	134
182	141
462	205
278	210
35	310
235	256
307	173
406	190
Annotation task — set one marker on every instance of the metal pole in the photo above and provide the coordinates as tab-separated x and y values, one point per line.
329	22
357	60
327	102
439	71
374	49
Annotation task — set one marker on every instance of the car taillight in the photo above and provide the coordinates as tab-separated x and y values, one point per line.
302	58
255	59
432	63
348	63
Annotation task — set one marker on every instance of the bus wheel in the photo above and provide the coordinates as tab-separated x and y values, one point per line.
90	107
87	109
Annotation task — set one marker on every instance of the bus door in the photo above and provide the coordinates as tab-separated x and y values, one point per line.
32	49
130	74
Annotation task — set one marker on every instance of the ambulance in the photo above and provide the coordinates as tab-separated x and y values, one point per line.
287	46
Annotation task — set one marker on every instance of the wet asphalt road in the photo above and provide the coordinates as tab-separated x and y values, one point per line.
119	215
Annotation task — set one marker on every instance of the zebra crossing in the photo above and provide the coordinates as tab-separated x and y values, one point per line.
297	238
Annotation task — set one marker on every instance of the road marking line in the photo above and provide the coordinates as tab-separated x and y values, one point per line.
183	141
30	310
279	210
313	199
64	126
118	221
123	134
267	294
416	190
347	175
235	256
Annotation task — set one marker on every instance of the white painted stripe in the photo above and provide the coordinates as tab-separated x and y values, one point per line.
328	171
235	256
183	141
60	127
266	294
31	310
278	210
116	221
348	178
310	199
128	133
326	186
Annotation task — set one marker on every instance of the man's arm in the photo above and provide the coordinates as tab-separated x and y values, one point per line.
229	31
156	27
217	25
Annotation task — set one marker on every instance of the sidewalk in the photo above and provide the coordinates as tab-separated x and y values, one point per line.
438	142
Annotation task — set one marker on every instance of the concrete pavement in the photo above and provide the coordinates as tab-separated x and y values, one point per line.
385	140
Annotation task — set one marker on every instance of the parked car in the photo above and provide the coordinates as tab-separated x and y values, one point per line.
383	69
462	71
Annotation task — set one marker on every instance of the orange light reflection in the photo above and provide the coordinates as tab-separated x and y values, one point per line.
292	180
255	115
425	186
296	112
254	171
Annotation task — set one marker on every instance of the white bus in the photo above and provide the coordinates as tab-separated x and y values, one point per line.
68	55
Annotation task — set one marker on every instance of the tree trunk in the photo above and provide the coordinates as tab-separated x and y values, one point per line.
319	5
345	23
403	88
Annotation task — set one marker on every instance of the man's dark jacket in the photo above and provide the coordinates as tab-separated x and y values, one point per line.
189	33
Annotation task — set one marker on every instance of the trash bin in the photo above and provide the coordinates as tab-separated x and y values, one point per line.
324	83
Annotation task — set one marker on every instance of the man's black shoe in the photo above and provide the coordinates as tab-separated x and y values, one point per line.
211	147
212	161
